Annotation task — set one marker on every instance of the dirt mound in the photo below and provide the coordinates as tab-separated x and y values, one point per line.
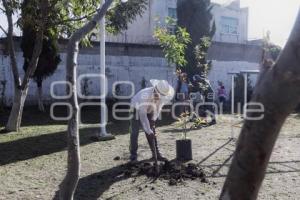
173	171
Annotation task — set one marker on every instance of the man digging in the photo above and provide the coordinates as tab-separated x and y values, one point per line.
147	105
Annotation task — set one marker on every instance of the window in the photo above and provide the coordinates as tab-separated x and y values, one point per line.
229	25
172	13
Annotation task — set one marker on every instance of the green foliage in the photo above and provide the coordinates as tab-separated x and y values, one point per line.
196	17
49	58
73	14
274	51
183	122
118	17
174	45
13	6
201	49
64	18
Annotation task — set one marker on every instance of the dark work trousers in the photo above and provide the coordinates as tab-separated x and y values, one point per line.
134	132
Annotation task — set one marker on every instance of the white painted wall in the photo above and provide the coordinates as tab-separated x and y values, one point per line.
121	68
220	69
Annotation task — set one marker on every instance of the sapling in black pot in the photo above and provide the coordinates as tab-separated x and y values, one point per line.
184	145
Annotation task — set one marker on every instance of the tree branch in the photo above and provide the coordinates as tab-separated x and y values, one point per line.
77	19
2	10
89	26
4	31
10	42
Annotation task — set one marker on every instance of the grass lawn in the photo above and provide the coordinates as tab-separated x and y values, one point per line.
33	161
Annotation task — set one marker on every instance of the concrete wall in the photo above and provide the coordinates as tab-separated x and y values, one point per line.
232	57
128	62
119	68
220	69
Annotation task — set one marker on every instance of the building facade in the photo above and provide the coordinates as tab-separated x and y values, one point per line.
231	23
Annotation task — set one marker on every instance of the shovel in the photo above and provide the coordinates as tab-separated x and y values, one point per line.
152	125
155	158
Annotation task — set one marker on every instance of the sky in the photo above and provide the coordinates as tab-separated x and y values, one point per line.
276	16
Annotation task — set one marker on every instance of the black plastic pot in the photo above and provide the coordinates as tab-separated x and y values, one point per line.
184	150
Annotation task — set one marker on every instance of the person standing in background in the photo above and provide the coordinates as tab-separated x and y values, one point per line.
206	97
221	94
182	91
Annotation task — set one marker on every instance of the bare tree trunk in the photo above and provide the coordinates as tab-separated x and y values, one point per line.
278	89
15	117
69	184
39	93
11	124
14	120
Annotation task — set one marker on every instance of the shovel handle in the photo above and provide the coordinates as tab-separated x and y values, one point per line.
155	158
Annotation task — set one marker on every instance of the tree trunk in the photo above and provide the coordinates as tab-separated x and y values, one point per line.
278	90
15	117
13	123
21	89
69	184
39	93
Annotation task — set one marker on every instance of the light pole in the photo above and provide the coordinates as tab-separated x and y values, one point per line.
103	135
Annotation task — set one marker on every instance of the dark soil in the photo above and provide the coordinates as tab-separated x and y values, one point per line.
173	171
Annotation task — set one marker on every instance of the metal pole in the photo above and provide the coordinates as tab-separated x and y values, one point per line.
245	90
103	116
232	94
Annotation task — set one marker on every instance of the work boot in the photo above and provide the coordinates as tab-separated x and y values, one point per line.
154	147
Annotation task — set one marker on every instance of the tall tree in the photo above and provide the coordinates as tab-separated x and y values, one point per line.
196	17
128	11
62	17
21	87
278	90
